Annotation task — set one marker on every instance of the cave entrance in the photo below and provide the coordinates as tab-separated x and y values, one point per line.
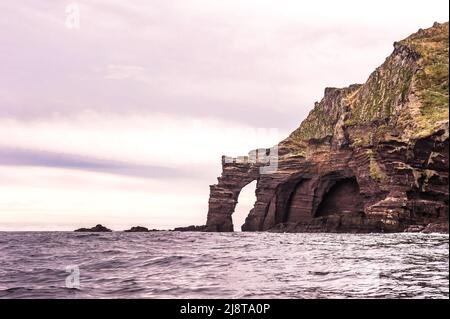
342	197
246	201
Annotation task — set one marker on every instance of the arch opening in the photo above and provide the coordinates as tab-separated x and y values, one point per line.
246	202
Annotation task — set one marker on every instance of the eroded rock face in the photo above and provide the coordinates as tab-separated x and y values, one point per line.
368	158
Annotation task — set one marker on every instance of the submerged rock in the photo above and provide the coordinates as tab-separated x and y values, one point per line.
436	228
368	158
441	228
415	229
97	229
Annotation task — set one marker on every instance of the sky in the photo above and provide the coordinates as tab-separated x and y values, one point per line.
118	112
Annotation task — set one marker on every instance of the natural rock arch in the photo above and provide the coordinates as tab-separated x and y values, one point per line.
281	199
224	195
246	202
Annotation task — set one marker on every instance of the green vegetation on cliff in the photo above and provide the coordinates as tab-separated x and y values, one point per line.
418	68
408	92
431	79
322	120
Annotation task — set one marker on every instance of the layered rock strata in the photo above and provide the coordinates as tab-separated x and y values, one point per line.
368	158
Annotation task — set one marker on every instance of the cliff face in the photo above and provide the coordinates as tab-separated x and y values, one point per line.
368	158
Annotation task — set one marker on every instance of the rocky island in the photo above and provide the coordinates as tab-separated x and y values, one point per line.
96	229
192	228
370	157
137	229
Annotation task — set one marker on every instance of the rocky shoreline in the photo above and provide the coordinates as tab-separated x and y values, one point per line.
140	229
428	229
439	228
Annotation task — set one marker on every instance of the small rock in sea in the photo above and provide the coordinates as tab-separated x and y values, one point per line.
97	229
428	229
414	229
191	228
137	229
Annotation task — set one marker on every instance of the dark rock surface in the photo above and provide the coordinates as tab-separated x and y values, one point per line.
191	228
428	229
97	229
436	228
137	229
368	158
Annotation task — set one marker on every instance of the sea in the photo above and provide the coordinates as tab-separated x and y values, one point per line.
223	265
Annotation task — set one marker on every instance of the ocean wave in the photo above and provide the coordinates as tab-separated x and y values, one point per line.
236	265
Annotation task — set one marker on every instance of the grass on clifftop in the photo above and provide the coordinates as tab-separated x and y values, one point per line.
411	85
431	80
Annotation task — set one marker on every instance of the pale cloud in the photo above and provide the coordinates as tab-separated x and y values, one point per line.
156	139
262	62
51	199
120	171
20	157
124	72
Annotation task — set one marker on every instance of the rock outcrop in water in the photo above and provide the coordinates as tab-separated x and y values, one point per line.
97	229
192	228
137	229
368	158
